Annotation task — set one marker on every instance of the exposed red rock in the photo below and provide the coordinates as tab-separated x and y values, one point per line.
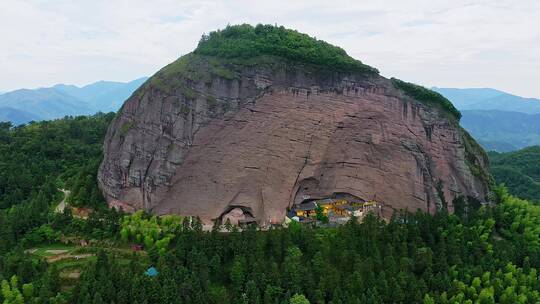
271	137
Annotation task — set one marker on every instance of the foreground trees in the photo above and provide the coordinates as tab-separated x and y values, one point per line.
481	254
489	255
486	255
36	160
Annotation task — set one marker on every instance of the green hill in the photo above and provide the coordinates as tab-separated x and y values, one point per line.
246	42
519	171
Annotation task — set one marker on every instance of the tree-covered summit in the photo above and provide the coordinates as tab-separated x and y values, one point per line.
246	41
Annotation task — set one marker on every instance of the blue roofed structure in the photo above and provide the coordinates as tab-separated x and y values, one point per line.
151	272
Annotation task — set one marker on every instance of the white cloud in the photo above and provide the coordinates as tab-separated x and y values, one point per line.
459	43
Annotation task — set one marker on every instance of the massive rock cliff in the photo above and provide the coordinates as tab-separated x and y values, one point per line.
206	135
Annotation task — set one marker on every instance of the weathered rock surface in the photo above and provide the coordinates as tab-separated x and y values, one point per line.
270	136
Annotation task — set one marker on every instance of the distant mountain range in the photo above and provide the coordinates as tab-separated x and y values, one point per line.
502	131
499	121
15	116
489	99
24	105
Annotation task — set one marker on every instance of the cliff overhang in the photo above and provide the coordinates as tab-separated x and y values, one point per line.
217	132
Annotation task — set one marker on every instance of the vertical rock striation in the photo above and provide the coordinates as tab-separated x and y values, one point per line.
204	137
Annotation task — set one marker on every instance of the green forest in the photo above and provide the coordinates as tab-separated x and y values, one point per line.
41	154
480	254
519	171
246	41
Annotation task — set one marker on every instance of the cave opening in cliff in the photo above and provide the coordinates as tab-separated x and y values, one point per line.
237	215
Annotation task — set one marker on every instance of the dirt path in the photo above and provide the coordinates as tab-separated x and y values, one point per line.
59	257
60	208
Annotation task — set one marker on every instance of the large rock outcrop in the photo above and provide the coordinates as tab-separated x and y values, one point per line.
203	138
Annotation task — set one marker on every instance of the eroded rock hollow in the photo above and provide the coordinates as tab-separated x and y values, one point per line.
195	140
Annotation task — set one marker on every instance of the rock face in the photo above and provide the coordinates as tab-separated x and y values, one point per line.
195	140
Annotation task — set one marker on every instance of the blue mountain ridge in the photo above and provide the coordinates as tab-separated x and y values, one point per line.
24	105
499	121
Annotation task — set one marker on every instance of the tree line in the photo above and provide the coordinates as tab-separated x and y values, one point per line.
485	255
35	161
480	254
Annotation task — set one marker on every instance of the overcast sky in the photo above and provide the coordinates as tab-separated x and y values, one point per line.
454	43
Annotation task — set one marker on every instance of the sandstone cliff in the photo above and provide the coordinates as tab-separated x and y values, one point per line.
207	135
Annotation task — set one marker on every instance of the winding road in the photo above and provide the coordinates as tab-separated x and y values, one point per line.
62	205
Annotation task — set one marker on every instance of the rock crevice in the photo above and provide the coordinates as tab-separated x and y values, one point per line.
259	141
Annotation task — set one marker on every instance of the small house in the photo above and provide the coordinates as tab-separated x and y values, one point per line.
329	204
306	209
347	210
151	272
326	205
369	206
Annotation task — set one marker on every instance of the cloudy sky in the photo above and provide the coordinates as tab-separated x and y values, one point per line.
455	43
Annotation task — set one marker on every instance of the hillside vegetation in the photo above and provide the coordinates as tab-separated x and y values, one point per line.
487	255
481	254
246	41
428	97
519	171
46	152
36	160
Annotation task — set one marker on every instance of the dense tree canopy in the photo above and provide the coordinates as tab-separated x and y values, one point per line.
481	254
245	42
31	155
519	171
484	255
35	161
